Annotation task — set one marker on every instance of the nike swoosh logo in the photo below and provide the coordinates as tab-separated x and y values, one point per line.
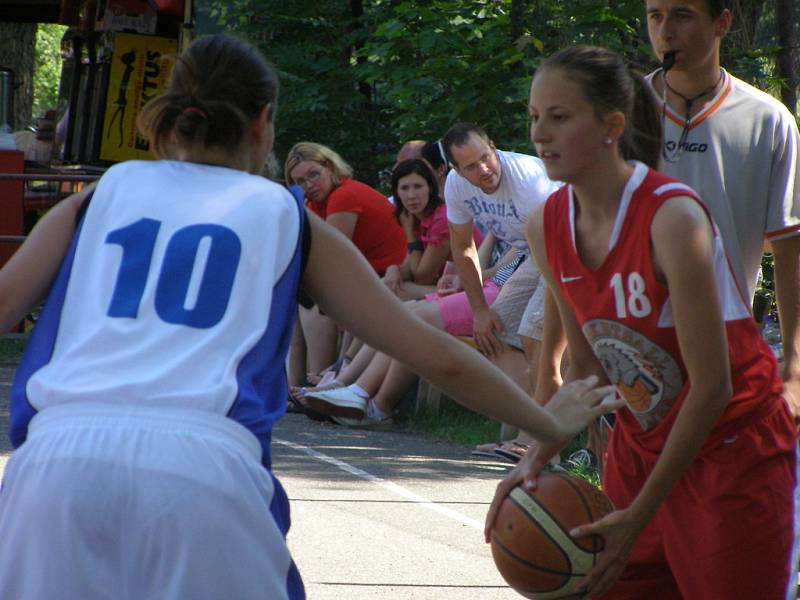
568	279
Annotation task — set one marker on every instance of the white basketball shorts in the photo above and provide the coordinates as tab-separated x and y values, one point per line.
125	503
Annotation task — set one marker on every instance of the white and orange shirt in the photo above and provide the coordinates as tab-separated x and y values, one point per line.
625	314
741	156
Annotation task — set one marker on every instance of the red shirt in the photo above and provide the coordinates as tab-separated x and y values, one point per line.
377	234
625	314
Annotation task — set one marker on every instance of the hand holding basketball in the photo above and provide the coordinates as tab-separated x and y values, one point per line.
619	531
523	474
531	545
574	406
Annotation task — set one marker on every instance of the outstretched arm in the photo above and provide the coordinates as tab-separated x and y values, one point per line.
354	297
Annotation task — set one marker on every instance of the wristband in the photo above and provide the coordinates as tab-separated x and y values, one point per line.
415	245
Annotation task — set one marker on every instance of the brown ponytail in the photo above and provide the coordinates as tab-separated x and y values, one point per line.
217	86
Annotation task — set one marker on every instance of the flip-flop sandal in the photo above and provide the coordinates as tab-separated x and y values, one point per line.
293	406
486	450
297	392
512	451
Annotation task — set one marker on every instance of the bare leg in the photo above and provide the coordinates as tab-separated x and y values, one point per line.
372	377
397	380
351	346
321	337
296	361
415	291
386	380
428	312
516	365
350	373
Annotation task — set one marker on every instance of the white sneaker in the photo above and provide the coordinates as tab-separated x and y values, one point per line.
341	402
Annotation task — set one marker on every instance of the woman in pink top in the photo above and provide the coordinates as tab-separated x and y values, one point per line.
421	211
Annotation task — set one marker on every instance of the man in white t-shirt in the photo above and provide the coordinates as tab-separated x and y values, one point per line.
738	148
498	190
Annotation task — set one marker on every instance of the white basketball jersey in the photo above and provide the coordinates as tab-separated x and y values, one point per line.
179	290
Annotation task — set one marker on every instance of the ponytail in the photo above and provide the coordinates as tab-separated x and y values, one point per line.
216	87
642	138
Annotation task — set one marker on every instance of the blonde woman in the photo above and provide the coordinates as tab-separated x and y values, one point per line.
362	214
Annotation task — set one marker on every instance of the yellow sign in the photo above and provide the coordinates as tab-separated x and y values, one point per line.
139	72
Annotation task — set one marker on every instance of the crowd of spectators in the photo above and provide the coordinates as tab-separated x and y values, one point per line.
461	206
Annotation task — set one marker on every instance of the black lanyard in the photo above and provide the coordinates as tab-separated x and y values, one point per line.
676	153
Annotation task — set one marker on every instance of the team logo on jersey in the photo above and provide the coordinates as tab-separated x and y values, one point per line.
647	377
672	145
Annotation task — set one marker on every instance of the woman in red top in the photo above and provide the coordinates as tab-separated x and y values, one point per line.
701	462
360	212
363	215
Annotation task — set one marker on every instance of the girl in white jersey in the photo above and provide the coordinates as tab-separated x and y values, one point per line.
143	408
701	461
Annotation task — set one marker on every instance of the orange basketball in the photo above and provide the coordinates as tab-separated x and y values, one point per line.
531	545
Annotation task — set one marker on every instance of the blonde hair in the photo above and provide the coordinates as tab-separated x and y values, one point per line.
319	154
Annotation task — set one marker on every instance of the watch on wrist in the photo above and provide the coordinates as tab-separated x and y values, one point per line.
415	245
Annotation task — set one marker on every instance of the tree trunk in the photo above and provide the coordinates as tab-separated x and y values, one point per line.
741	37
787	39
356	12
746	14
18	53
518	10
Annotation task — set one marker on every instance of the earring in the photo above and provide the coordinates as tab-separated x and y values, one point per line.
607	141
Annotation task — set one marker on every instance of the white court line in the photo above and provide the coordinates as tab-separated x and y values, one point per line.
387	485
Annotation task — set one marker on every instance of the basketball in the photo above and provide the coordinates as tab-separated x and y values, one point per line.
530	541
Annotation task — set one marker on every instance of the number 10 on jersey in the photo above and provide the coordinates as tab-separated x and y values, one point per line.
206	292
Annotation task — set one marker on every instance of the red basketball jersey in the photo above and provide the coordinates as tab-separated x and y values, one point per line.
625	314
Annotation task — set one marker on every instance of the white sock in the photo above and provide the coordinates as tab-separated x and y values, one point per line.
358	390
373	412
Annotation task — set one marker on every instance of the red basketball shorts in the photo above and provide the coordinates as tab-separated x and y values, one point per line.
727	530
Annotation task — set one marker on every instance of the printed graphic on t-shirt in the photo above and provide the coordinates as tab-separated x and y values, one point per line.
647	377
494	216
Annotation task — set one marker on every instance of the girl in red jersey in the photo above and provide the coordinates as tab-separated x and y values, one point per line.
701	463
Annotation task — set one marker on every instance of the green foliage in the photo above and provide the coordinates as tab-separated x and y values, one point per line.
11	349
47	69
365	82
453	423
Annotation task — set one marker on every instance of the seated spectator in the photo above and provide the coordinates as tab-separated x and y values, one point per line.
362	214
422	213
411	149
383	381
